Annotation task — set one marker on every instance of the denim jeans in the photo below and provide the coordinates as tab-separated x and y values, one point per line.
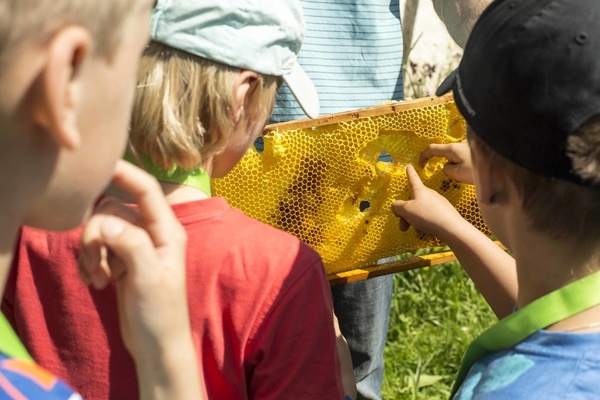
362	309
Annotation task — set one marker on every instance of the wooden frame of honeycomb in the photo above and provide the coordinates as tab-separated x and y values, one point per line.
331	182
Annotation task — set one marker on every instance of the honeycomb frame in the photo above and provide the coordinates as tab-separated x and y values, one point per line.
331	181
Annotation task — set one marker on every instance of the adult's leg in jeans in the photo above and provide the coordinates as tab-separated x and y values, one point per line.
363	311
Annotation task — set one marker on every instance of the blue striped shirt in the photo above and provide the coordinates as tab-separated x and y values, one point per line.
353	54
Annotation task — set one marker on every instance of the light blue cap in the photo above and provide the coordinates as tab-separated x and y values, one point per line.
259	35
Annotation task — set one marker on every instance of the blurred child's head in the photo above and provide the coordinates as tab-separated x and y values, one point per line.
31	22
208	80
529	88
67	74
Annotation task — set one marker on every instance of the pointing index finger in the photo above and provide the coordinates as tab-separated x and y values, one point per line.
426	154
414	181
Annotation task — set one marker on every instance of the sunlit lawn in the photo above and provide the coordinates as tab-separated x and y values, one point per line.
436	312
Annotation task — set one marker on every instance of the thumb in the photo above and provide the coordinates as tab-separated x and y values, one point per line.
397	207
452	171
112	228
130	249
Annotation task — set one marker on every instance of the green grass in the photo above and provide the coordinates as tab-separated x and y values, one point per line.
436	312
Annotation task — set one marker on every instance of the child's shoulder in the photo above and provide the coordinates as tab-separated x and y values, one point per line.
271	242
234	224
216	227
548	365
230	252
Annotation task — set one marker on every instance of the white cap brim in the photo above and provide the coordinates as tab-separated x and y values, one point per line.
303	90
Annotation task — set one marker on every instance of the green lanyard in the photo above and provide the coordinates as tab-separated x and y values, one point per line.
196	177
560	304
10	344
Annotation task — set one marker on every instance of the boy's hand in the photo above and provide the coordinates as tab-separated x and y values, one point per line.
427	211
143	250
458	155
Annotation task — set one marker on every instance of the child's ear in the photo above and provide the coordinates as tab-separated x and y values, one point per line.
55	108
492	185
244	82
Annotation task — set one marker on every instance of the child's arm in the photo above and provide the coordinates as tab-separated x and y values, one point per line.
491	269
144	251
348	378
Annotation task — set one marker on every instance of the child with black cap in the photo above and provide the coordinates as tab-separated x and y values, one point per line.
529	88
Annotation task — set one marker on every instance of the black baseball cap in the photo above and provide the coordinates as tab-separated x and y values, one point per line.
529	77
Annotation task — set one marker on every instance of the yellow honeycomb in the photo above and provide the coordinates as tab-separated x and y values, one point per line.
325	182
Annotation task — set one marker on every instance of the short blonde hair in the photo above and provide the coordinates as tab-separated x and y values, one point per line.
182	107
35	21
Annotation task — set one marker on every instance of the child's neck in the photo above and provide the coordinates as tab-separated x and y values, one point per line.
181	193
178	184
545	265
20	188
173	192
10	224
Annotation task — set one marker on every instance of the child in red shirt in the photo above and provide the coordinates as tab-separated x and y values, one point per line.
260	304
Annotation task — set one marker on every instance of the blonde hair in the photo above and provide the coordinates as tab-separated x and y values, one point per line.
182	111
561	209
35	21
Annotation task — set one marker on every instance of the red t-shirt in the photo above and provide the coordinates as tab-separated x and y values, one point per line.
259	300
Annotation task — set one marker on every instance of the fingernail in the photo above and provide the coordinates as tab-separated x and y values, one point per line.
112	227
99	280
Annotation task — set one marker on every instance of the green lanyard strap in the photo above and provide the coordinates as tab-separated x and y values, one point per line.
560	304
195	177
10	344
